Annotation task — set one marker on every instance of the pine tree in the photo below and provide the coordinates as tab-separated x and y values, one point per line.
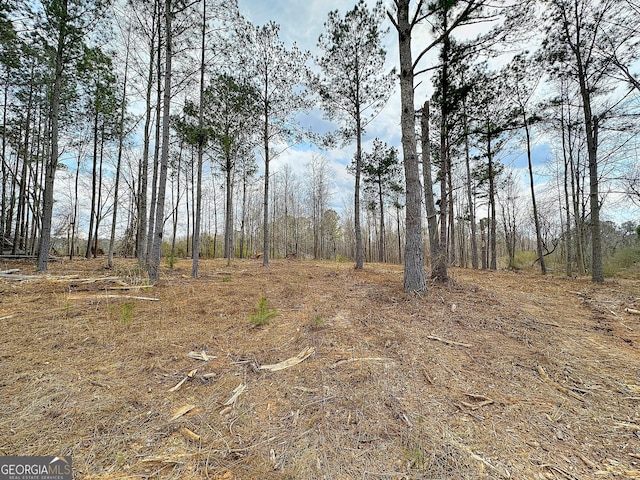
277	75
354	86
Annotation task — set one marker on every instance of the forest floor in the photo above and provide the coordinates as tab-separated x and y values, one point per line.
496	375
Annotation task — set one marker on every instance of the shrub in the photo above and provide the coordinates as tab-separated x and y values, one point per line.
624	260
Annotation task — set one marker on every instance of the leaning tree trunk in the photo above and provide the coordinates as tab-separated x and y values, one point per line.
536	219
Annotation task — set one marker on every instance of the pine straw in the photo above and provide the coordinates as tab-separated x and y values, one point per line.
86	375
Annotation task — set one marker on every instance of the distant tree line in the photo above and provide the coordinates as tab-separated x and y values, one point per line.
150	128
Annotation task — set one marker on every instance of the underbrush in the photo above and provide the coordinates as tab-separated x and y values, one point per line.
625	262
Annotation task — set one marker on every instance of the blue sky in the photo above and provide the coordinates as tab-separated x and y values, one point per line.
302	22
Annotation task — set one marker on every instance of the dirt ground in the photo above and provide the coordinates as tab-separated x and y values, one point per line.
497	375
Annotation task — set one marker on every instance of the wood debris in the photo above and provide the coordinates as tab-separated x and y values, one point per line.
190	435
181	412
128	297
449	342
236	393
131	287
290	362
362	359
481	399
503	473
632	311
132	297
13	276
189	376
178	385
557	386
202	355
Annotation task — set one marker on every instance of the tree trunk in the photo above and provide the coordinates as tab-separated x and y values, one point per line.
265	239
5	170
94	176
52	164
152	228
123	109
430	206
99	201
356	196
154	261
536	220
381	245
414	273
443	259
74	221
591	132
142	224
492	205
470	199
483	243
195	250
567	173
228	224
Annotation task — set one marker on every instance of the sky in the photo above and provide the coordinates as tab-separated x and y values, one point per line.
302	22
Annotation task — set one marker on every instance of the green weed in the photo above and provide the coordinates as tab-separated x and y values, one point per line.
317	322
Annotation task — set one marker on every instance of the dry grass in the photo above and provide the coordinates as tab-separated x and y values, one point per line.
88	375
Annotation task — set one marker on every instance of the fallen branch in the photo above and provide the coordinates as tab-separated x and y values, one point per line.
551	324
181	411
587	462
482	401
632	311
131	287
130	297
190	435
178	385
475	456
363	359
449	342
561	471
7	317
151	299
557	386
201	356
189	375
13	276
303	355
236	393
11	270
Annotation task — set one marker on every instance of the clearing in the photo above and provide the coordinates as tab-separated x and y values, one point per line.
498	375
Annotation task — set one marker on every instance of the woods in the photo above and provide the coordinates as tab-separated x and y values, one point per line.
468	134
